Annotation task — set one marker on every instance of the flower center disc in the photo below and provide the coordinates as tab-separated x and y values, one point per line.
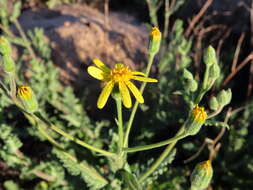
120	73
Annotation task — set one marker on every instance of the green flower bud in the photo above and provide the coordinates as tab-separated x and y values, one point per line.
191	85
5	47
155	40
201	175
214	72
213	103
27	98
210	56
187	74
229	96
195	120
8	63
222	97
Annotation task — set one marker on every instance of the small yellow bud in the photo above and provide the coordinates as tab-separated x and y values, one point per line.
201	175
195	120
155	34
199	114
27	98
155	40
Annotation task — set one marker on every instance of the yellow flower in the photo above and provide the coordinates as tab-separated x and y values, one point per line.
199	114
24	92
155	34
120	76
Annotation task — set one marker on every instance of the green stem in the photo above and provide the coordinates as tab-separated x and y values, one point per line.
161	158
85	167
120	123
12	84
204	86
76	140
156	145
213	114
5	89
130	122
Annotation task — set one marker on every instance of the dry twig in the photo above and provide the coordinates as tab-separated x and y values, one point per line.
198	17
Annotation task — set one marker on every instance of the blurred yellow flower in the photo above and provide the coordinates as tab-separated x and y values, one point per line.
120	75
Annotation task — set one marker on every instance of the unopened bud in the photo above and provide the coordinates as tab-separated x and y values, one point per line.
8	63
187	74
221	97
201	175
213	103
155	40
5	47
210	56
214	72
192	85
229	96
27	98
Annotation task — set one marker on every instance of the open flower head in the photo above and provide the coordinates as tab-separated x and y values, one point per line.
120	76
199	114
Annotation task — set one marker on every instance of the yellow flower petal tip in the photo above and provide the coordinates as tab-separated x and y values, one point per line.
24	92
121	76
155	34
199	114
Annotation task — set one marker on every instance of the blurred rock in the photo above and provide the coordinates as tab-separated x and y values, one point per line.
77	34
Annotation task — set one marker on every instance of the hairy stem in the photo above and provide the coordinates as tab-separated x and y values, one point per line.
161	158
130	122
120	124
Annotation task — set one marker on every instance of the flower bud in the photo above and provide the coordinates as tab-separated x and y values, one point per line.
210	56
8	63
155	40
187	74
5	47
229	96
195	120
191	85
213	103
27	98
224	97
214	72
201	175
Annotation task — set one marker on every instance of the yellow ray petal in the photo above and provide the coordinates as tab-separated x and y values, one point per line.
100	65
138	73
96	72
137	94
144	79
126	98
103	97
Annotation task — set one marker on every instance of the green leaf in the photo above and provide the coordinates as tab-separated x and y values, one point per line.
130	180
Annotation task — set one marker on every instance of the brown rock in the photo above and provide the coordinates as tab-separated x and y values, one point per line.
77	34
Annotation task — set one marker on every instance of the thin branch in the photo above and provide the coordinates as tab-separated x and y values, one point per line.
237	51
221	41
250	83
198	17
232	74
194	156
